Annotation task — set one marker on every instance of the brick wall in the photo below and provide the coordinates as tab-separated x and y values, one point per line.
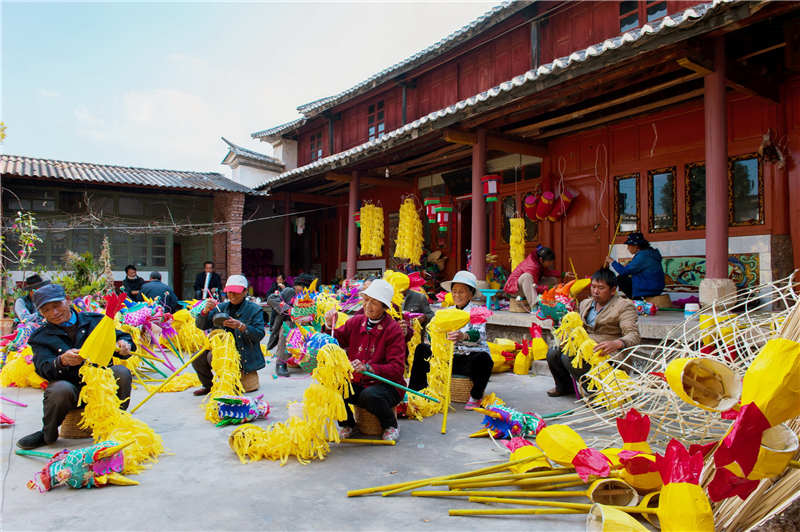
228	210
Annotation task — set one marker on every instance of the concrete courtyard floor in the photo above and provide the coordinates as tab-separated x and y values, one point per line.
201	485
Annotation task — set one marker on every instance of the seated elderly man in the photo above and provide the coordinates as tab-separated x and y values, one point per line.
245	321
470	352
56	356
374	342
609	319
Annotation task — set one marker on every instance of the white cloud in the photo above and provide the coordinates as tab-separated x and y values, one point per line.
89	125
48	93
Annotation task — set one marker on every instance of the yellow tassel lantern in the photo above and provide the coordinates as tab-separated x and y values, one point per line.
409	233
517	241
371	230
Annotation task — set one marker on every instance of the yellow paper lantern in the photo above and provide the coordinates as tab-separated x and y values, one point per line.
602	518
772	381
778	445
528	451
560	443
684	507
704	383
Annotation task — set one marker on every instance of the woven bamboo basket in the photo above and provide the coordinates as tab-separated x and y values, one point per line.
460	386
661	301
518	305
367	422
250	381
70	429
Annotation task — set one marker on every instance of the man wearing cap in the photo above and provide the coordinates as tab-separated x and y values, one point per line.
374	343
643	276
56	357
245	321
471	351
155	289
24	309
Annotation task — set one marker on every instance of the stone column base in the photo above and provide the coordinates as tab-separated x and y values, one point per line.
715	289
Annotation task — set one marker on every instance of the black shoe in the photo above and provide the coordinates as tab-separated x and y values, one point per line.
281	370
201	391
32	441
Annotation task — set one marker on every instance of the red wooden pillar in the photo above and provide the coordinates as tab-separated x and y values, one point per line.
352	245
716	283
478	244
287	240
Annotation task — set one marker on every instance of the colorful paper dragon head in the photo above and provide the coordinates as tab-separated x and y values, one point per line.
100	344
238	409
86	304
304	309
505	422
88	467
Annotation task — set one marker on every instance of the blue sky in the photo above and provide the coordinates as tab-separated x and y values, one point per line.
156	85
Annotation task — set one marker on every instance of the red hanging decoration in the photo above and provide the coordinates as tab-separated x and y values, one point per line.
430	206
529	205
443	212
562	205
357	218
490	183
545	205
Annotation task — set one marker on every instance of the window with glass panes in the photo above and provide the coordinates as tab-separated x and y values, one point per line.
662	205
376	124
316	145
626	201
633	14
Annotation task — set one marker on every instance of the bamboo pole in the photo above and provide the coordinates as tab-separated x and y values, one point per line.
400	386
167	380
447	391
367	442
515	511
639	509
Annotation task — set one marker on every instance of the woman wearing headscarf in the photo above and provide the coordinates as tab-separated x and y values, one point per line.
643	276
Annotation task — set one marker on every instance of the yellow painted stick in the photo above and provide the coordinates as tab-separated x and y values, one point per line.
516	511
558	504
447	391
794	463
483	470
611	244
419	484
572	265
488	493
163	384
367	442
556	474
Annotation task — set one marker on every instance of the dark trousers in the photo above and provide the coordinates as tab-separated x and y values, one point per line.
378	399
562	370
202	366
62	396
625	285
477	366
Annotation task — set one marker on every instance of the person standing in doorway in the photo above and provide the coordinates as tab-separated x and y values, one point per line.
132	284
207	283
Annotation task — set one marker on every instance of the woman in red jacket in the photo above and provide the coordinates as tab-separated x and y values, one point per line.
527	276
374	342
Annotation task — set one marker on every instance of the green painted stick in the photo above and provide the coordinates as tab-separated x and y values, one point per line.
23	452
154	368
166	381
409	390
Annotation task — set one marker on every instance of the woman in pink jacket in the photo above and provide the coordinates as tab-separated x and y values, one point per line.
528	275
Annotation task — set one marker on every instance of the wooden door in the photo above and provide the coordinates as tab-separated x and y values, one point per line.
584	231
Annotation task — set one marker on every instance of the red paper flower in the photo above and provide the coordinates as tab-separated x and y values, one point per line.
114	303
726	484
516	442
742	443
677	465
634	427
636	463
591	462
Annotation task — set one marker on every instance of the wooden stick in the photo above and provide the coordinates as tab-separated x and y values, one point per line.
447	392
391	383
572	265
367	442
516	511
616	232
167	380
559	504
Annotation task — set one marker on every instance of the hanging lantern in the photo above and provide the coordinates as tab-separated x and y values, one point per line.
530	204
545	205
357	218
490	187
443	212
430	205
562	204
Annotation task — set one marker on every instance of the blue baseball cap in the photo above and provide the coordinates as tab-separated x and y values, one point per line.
48	294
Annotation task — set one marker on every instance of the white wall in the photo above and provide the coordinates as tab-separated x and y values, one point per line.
251	177
286	151
119	275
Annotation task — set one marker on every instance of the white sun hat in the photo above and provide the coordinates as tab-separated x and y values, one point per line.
380	290
463	277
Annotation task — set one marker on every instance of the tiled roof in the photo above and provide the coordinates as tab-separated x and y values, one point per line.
278	130
249	154
452	113
310	109
21	166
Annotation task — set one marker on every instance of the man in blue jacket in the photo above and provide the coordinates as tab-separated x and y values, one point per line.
644	274
245	322
56	356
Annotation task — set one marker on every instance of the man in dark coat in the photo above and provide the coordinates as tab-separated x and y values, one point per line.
56	357
155	289
24	308
245	322
214	282
132	284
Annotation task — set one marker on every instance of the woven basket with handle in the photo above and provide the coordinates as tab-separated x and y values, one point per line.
366	421
460	386
70	429
250	381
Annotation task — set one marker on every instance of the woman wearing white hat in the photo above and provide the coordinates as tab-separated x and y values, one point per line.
471	353
374	343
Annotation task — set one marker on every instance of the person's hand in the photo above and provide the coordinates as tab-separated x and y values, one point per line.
71	357
209	306
569	275
358	366
403	326
231	323
609	260
456	336
123	347
609	346
330	318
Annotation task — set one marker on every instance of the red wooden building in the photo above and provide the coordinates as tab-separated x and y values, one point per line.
678	119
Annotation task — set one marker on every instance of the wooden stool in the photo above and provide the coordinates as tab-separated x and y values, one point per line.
660	301
460	386
367	423
70	429
250	381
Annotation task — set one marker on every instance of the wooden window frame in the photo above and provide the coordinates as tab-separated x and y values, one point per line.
651	213
687	170
377	107
316	149
760	176
641	13
637	178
